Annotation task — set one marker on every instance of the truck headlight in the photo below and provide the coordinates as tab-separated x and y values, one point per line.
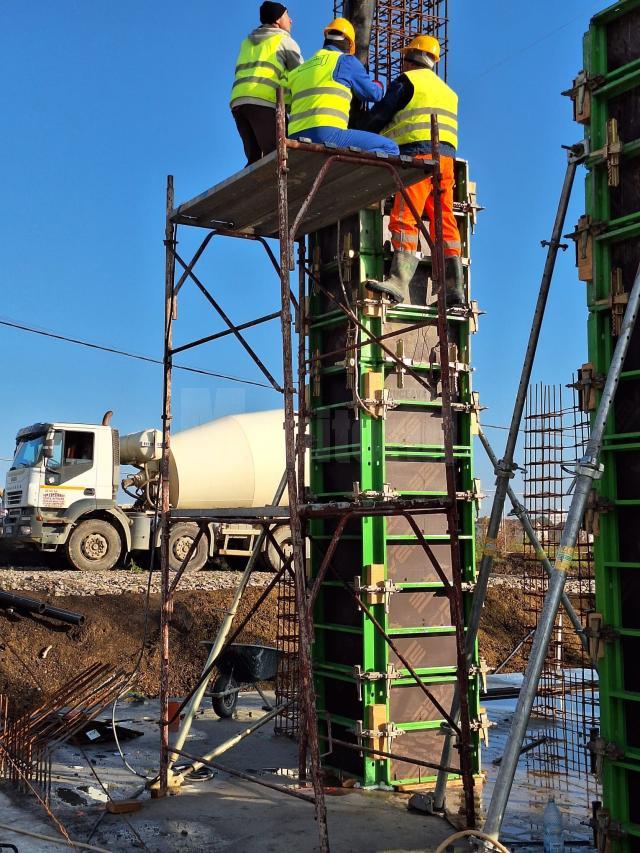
24	529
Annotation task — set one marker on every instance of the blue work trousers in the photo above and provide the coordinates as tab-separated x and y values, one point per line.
362	139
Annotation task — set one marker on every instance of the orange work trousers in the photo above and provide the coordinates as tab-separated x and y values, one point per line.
403	227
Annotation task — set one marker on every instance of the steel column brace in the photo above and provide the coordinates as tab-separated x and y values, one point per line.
587	470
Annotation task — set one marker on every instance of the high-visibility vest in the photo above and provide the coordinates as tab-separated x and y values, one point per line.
316	99
431	96
259	72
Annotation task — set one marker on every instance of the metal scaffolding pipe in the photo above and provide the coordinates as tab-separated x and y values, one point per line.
588	469
228	744
521	514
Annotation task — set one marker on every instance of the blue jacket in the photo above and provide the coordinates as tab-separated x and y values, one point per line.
352	73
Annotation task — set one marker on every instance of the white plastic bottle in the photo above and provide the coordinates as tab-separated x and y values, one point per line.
552	826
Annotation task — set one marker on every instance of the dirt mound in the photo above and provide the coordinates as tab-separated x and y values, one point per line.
113	633
115	629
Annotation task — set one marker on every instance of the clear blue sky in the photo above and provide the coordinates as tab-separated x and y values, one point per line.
102	100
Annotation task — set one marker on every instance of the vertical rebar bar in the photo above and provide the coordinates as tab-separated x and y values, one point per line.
307	690
455	598
166	608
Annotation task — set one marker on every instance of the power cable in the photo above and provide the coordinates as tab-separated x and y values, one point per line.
90	345
510	56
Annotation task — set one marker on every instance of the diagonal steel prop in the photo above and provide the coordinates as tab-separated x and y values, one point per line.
588	470
233	328
505	467
521	514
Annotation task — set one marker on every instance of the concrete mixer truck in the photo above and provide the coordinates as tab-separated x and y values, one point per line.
61	490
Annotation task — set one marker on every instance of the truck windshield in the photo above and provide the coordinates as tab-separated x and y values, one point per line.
28	452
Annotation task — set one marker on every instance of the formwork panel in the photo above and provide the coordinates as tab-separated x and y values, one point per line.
612	65
401	450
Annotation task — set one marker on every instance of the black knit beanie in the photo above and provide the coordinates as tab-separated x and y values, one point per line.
271	12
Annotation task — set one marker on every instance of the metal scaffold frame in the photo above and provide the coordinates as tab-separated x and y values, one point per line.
291	225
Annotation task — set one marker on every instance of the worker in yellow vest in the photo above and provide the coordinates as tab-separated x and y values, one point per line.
322	89
266	56
404	115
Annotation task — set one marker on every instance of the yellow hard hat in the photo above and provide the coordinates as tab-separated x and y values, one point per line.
424	44
341	25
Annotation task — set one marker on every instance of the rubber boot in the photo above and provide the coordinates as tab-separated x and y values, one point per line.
403	267
454	281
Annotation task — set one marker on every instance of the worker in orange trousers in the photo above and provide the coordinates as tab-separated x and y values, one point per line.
404	115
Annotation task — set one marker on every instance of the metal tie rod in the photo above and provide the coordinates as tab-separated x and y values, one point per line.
588	469
521	514
505	467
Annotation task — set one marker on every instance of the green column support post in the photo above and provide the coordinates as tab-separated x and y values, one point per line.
609	89
403	451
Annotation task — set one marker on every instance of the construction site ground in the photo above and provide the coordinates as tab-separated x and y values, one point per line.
222	813
38	654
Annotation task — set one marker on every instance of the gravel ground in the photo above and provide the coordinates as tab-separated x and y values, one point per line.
65	582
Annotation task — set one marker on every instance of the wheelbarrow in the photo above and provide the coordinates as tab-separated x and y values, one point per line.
239	667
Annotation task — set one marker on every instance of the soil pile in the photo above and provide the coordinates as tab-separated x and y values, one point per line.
114	633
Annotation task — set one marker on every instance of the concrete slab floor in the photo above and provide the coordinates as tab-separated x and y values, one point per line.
222	813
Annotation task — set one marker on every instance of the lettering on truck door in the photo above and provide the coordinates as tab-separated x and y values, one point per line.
70	473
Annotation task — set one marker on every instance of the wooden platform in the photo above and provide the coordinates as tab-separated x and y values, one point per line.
247	202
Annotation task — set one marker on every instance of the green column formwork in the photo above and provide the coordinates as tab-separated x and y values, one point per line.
402	451
608	246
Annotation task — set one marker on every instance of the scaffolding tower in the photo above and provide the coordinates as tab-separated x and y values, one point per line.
292	195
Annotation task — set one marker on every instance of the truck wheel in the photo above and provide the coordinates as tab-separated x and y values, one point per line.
180	540
94	546
282	535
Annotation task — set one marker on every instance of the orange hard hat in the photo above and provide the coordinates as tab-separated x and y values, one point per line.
423	44
342	25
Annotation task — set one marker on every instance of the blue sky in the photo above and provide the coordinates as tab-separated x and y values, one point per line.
102	100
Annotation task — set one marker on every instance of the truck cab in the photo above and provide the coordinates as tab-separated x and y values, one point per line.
61	473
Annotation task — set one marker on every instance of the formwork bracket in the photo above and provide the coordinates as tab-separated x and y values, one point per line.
616	301
369	676
375	305
482	725
605	829
387	494
472	408
580	94
583	236
383	734
588	382
482	670
601	751
375	593
596	506
611	153
597	634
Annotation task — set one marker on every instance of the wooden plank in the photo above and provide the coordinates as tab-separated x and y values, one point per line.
248	199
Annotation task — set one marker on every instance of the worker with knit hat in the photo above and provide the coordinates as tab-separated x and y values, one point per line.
322	90
266	57
404	115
